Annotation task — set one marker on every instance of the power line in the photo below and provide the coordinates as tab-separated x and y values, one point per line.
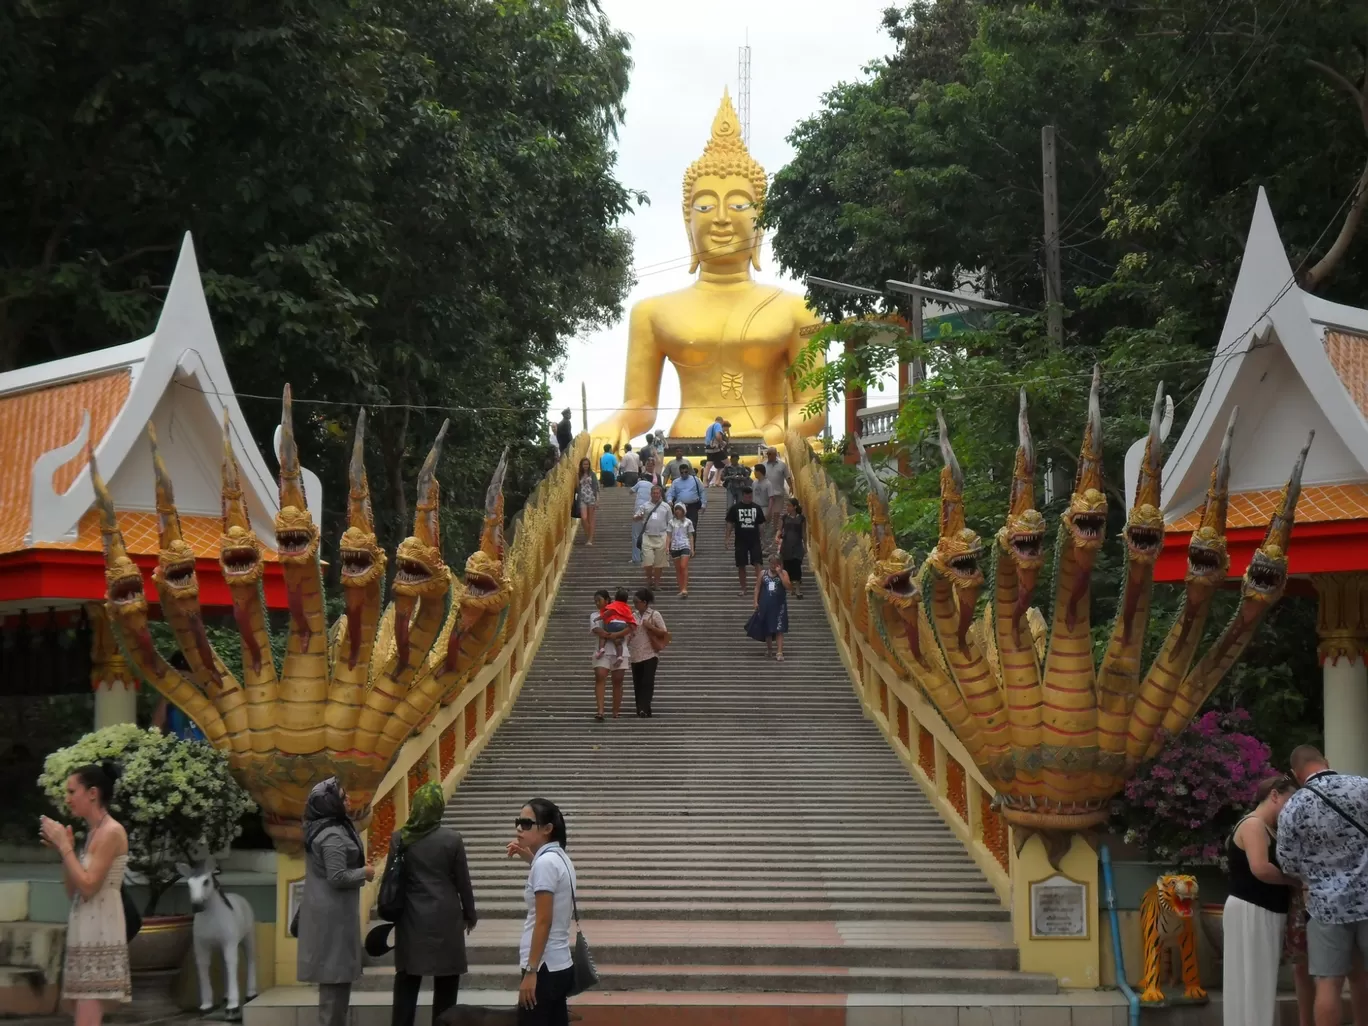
1280	15
1208	30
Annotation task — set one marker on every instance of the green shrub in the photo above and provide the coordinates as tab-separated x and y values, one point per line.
175	798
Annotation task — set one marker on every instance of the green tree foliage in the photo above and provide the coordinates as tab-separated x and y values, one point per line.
1168	120
407	204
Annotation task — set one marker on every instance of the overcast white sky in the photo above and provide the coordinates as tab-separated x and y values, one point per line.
685	54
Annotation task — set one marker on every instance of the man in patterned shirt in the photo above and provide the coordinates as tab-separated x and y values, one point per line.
1323	839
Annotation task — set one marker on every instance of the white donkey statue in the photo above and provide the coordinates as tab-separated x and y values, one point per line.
222	921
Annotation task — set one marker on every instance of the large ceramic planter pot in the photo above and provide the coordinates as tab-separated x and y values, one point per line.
161	943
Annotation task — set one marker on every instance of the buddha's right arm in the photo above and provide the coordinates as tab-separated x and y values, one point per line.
641	390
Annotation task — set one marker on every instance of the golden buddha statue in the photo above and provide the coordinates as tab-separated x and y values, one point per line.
732	340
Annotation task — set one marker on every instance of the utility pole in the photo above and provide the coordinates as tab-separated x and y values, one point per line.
1054	310
584	405
910	373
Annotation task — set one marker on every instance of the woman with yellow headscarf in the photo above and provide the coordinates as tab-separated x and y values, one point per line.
438	899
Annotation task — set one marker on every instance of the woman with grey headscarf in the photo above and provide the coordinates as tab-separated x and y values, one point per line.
330	911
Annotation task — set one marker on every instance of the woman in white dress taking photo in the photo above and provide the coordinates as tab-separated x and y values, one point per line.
96	966
544	953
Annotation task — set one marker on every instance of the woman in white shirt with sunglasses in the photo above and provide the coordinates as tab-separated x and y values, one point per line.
544	953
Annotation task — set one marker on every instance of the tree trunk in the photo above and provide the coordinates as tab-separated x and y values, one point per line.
1326	265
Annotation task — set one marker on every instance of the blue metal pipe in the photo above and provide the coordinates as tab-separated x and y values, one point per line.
1131	998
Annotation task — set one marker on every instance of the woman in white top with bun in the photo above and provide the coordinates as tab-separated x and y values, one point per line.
544	953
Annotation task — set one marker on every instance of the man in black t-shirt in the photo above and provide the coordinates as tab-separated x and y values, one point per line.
746	518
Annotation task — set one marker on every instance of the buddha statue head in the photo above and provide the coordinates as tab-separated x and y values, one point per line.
723	191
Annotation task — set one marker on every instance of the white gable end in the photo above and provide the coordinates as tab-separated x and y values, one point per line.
1271	362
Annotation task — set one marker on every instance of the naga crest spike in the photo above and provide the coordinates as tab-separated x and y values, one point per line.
425	524
168	519
1089	474
1280	527
1147	489
234	508
1208	560
359	513
952	484
1023	473
110	534
492	537
884	542
291	483
1218	493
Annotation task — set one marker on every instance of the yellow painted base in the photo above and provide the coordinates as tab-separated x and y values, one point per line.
1075	963
288	868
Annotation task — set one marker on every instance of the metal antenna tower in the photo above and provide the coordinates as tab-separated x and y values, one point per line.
743	83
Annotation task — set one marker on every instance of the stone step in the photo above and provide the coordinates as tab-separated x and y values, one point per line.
614	873
742	909
817	979
845	942
755	835
297	1006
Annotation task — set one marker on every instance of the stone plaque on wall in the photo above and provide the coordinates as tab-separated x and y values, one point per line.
1059	909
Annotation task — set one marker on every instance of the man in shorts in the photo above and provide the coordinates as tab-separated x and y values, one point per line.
746	519
654	516
1294	954
1323	840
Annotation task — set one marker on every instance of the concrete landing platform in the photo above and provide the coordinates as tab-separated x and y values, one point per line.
297	1006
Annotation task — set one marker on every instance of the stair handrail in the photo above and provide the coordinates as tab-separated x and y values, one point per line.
841	560
444	749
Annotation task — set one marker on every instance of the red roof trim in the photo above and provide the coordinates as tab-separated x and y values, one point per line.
1321	548
37	575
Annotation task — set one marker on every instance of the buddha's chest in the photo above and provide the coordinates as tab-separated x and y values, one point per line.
752	330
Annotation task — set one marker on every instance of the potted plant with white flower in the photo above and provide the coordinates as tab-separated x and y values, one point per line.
177	800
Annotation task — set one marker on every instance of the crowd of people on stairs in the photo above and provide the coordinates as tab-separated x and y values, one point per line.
765	526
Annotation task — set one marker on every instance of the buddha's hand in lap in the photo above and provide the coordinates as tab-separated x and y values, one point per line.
614	431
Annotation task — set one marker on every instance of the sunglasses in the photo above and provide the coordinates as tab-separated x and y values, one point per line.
523	823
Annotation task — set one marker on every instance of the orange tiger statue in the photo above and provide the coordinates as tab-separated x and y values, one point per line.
1166	920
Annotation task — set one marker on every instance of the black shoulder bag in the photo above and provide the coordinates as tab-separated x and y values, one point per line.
585	971
390	901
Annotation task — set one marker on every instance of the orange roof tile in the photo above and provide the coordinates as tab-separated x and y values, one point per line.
1348	353
32	423
141	536
1318	504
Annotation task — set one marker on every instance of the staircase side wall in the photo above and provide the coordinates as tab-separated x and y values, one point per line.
913	728
447	747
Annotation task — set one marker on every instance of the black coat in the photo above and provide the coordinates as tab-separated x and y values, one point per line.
439	902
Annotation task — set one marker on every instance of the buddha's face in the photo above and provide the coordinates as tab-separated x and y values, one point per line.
722	217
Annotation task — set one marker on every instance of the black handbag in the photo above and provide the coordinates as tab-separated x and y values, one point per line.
390	901
575	506
132	917
585	971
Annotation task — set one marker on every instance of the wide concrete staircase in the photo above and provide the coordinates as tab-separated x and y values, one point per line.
754	842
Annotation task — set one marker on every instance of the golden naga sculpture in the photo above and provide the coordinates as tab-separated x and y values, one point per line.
343	701
1054	735
731	339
